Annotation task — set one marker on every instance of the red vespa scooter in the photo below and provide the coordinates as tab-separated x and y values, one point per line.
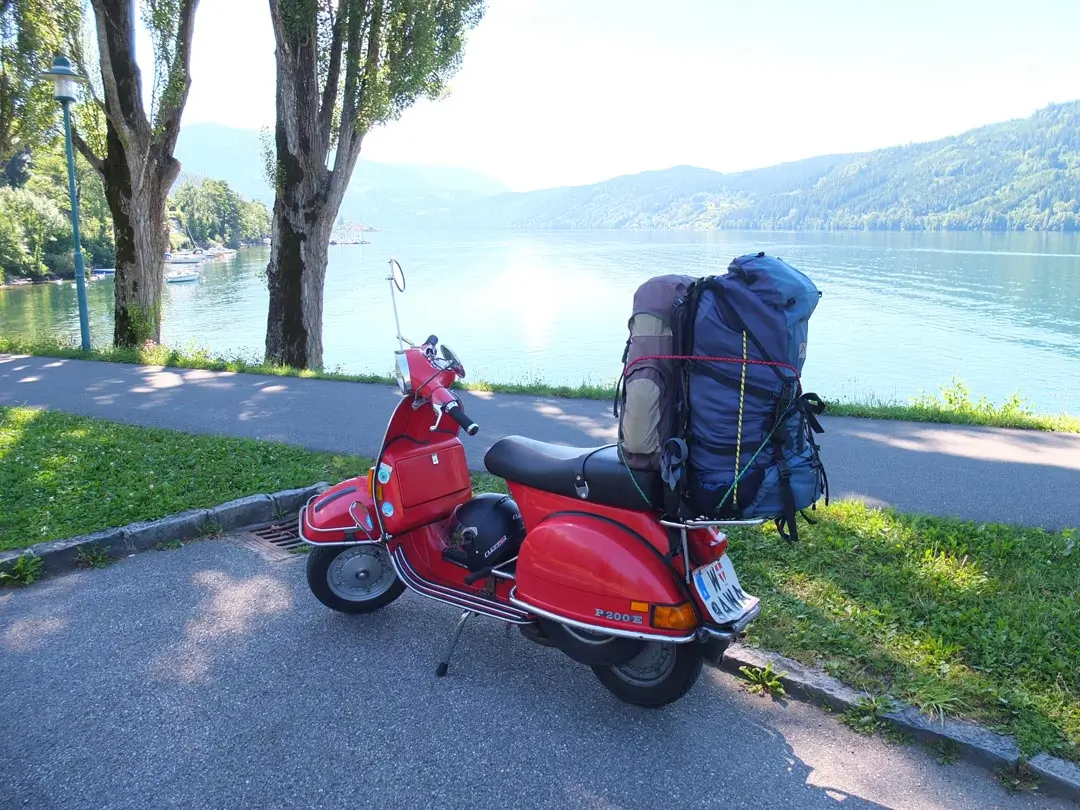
578	556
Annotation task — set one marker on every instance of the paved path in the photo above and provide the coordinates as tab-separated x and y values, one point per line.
977	473
207	677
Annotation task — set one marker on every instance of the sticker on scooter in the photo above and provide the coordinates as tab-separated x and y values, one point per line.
617	617
388	509
384	473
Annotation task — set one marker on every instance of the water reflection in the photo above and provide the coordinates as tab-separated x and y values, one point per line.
901	313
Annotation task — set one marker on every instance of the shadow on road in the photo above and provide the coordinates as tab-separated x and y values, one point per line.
208	677
979	474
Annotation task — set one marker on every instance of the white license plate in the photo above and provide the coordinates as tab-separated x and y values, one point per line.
718	586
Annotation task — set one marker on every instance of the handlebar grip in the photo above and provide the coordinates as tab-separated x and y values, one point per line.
467	424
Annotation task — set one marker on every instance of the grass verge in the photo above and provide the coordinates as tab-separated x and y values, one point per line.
957	618
978	621
63	475
954	404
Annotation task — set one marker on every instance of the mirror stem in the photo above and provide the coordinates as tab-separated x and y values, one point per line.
393	300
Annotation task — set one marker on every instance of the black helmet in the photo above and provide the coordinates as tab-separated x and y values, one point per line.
488	529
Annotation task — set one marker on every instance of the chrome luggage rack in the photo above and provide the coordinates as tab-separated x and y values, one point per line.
370	537
704	523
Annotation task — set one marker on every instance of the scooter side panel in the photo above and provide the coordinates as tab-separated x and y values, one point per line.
587	568
537	506
423	473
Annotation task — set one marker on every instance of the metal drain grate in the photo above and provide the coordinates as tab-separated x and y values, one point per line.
279	540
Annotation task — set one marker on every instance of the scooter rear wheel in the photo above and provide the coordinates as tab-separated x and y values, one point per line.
353	579
662	673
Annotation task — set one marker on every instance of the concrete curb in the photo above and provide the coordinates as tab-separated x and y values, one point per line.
1057	777
60	556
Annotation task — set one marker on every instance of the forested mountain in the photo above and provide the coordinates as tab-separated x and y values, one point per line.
382	194
1017	175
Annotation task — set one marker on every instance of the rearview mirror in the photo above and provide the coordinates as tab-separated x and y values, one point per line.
397	275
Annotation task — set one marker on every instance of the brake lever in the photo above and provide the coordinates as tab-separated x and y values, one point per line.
438	416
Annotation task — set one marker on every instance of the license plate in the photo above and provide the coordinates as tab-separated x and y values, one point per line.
718	586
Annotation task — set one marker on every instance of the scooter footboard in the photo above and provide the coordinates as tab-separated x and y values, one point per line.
342	515
596	573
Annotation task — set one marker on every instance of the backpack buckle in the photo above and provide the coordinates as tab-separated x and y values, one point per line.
581	486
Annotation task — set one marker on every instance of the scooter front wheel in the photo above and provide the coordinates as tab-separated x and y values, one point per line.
353	579
661	673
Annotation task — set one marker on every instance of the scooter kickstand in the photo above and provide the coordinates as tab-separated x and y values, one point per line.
444	664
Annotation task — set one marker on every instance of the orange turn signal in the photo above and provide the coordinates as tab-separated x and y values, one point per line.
674	617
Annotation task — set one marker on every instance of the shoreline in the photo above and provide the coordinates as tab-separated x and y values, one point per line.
954	404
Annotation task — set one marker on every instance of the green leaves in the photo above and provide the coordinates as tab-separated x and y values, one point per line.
31	33
210	211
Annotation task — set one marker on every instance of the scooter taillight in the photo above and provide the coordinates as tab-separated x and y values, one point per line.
706	545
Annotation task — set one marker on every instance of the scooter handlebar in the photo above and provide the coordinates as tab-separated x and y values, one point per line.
458	413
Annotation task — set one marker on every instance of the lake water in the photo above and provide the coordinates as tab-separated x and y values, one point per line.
901	313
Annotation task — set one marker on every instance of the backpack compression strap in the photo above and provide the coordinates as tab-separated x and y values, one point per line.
808	406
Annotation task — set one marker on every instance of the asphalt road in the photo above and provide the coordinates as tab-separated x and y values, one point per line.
984	474
208	677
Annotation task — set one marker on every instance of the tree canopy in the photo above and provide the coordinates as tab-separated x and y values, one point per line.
209	211
31	33
343	66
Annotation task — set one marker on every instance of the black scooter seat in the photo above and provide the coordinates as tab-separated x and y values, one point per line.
591	474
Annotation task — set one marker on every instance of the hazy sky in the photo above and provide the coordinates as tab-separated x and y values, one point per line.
558	92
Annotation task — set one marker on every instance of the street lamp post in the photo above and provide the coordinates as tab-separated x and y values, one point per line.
65	79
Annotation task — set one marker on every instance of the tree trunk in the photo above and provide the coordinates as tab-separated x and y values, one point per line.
138	168
295	276
305	207
141	236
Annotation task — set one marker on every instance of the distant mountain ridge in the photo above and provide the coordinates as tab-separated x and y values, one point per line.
1016	175
381	194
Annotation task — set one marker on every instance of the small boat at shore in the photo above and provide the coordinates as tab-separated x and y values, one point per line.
181	276
185	257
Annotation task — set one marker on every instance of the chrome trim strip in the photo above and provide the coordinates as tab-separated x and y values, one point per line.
594	628
304	511
310	542
378	460
439	593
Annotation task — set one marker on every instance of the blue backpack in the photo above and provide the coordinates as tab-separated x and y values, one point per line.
744	446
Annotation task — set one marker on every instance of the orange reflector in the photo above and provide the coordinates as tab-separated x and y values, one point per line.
674	617
640	607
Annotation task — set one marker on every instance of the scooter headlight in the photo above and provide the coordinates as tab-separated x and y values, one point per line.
401	372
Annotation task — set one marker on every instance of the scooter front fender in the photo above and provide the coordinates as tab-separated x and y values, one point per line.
597	573
342	515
